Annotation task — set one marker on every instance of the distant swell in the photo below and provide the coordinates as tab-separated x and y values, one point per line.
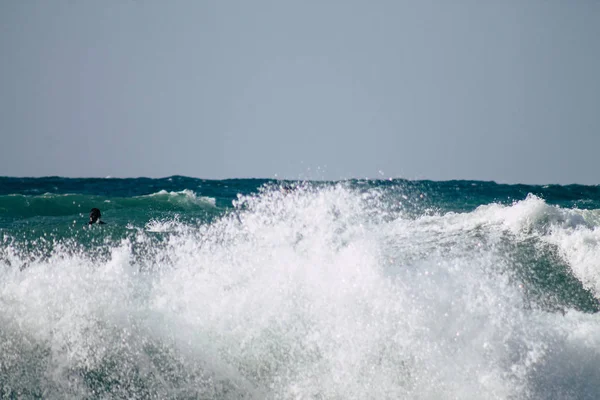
73	204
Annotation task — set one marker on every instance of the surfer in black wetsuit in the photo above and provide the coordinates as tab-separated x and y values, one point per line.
95	217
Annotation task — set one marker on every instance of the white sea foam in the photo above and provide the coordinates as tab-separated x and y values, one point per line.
167	225
304	294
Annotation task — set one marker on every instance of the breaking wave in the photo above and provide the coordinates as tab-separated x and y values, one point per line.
315	291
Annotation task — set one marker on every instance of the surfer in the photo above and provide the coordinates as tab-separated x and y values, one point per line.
95	217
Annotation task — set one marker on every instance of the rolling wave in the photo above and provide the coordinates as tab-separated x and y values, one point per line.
49	204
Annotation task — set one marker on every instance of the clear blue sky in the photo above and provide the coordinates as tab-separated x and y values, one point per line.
492	90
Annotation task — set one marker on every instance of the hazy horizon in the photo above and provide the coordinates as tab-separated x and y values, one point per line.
300	179
491	91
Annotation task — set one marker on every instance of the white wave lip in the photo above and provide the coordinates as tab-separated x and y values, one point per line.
576	233
184	196
307	294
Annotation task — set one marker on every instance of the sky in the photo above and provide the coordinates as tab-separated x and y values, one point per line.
468	89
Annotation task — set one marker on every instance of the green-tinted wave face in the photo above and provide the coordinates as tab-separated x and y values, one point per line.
60	208
264	289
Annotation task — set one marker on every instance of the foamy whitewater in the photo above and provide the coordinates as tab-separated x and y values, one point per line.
253	289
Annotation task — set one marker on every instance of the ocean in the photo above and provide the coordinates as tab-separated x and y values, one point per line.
266	289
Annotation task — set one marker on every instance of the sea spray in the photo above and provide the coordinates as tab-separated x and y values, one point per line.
326	291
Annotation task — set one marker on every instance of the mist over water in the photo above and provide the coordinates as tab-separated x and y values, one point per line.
349	290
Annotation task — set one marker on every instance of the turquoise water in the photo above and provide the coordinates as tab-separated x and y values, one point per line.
265	289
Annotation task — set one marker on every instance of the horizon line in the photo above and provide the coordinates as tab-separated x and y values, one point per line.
380	179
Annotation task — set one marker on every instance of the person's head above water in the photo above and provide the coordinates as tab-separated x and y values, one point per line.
95	216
